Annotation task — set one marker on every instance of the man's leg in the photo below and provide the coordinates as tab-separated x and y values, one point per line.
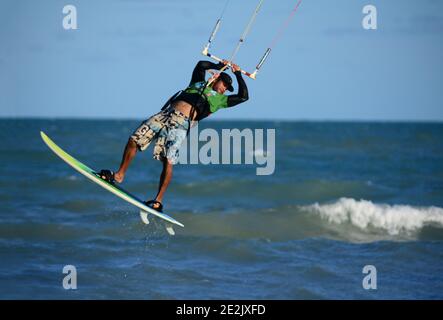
165	179
167	150
128	155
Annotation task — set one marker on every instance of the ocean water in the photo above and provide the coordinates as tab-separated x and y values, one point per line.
343	196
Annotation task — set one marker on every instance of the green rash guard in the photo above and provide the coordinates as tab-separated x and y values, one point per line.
215	100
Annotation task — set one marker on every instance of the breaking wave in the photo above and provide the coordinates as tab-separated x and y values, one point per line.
346	219
393	219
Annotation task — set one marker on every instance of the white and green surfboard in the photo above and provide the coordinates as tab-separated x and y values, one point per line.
119	192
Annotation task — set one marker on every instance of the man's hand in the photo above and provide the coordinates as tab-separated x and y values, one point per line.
235	67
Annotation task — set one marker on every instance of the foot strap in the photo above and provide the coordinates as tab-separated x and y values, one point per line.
154	204
107	175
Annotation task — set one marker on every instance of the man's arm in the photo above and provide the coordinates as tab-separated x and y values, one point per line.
200	69
242	94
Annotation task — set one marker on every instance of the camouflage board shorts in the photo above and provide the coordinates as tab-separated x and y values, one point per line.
169	127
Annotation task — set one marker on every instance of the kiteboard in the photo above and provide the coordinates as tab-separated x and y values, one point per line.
117	190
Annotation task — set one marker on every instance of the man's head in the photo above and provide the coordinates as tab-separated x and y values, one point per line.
223	83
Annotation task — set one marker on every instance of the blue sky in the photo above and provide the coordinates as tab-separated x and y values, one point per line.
129	56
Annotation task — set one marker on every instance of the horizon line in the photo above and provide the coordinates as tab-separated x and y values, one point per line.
80	118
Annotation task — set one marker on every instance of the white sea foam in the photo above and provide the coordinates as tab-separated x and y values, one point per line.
394	219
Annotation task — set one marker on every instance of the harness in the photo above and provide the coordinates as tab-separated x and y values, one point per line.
171	100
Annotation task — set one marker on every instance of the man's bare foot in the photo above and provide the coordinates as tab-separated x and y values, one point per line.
118	177
157	205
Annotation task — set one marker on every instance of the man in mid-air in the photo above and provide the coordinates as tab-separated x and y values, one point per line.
171	125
